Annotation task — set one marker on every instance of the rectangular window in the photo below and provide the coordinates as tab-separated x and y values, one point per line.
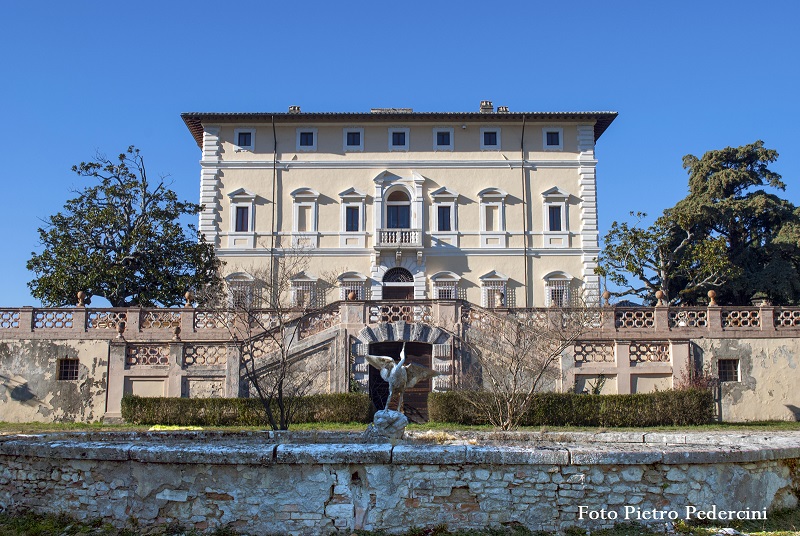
490	139
443	218
728	370
354	139
245	139
68	369
351	217
303	218
443	139
553	139
398	139
491	218
306	139
242	219
398	217
555	217
446	292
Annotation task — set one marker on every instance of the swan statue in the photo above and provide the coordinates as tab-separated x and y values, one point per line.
398	375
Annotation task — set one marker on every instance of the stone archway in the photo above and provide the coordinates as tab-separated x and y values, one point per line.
388	337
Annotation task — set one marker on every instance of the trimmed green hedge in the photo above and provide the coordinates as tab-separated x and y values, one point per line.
339	407
661	408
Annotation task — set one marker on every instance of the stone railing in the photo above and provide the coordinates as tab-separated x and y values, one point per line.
651	323
399	238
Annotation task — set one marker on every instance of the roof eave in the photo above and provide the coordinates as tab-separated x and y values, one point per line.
194	120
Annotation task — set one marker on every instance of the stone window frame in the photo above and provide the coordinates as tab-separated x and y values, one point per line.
244	148
446	282
352	148
242	198
555	197
305	282
436	146
305	197
444	197
494	290
485	147
401	148
560	146
307	148
493	197
353	197
558	281
353	281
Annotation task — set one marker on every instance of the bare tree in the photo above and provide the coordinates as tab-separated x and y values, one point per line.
266	312
515	354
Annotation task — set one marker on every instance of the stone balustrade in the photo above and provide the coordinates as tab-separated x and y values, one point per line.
196	323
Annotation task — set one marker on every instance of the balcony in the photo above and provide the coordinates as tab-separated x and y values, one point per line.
398	239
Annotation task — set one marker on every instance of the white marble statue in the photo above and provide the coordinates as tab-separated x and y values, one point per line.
399	375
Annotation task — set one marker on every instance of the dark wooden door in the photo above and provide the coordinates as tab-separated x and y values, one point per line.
415	401
398	293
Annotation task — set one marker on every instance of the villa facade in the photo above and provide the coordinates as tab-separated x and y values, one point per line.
495	207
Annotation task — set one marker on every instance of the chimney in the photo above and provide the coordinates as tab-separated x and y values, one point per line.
502	109
294	109
487	107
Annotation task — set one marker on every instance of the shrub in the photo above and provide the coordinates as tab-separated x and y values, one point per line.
661	408
337	407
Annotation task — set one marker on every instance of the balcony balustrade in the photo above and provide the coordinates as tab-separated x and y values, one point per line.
398	239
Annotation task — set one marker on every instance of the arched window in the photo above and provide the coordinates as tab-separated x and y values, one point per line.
398	275
398	210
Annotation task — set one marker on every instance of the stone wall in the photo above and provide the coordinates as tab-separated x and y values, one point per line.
769	371
260	483
30	389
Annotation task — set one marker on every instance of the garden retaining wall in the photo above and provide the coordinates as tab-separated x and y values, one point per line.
262	483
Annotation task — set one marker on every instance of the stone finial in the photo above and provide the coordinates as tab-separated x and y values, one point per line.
660	298
176	333
189	298
607	298
121	329
712	298
81	299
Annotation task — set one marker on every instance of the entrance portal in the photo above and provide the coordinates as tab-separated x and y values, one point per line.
415	400
398	293
398	284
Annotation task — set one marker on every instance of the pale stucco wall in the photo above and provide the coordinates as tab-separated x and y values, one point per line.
466	170
29	387
769	376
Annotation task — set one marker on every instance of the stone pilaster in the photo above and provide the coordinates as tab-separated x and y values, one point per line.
590	240
209	186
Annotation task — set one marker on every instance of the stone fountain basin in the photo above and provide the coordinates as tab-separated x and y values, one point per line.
504	448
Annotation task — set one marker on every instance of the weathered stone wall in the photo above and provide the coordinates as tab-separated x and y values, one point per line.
31	391
769	371
252	483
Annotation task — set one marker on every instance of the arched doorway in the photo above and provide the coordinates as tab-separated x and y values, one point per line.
398	284
415	400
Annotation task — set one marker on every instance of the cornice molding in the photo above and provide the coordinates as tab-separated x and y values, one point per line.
398	164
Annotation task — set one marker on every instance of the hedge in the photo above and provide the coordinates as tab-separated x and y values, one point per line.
661	408
339	407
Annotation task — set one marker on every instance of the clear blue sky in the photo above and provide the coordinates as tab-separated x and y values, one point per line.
685	77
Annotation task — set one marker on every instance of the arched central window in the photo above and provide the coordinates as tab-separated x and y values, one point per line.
398	275
398	210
